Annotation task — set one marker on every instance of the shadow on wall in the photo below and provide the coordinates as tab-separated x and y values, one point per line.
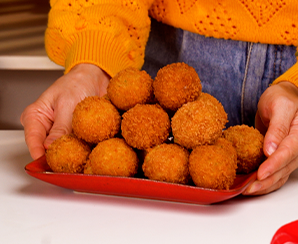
16	6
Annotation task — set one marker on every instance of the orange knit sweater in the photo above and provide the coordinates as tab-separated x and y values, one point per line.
112	34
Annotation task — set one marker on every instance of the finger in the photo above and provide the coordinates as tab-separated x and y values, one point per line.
283	157
34	141
35	130
279	126
262	190
273	182
62	123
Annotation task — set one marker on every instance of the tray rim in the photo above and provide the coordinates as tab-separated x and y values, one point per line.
60	179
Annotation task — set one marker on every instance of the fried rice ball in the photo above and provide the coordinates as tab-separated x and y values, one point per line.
145	126
176	84
199	123
112	157
167	162
95	119
213	166
130	87
248	142
67	154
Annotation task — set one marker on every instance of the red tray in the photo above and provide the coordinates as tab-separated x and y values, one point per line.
137	187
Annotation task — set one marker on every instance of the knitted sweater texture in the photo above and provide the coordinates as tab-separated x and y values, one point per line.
112	34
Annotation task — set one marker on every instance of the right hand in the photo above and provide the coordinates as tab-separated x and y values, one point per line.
277	115
50	116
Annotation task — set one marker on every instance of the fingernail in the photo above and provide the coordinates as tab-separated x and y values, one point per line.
271	148
255	187
264	176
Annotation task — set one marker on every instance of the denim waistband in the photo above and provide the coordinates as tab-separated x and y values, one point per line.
234	72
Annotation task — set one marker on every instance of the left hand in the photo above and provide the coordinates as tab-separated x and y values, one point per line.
50	116
277	116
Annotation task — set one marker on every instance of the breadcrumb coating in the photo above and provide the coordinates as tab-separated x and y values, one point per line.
67	154
213	166
95	119
145	126
176	84
248	142
167	162
228	147
130	87
112	157
199	123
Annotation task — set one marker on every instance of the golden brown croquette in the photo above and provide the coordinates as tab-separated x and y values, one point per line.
199	123
145	126
176	84
248	142
130	87
167	162
211	166
67	154
95	119
112	157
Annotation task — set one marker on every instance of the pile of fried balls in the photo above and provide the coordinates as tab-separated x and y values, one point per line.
163	129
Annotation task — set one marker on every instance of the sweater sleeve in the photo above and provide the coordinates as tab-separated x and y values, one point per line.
111	34
290	75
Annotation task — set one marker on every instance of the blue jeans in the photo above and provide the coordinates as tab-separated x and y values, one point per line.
234	72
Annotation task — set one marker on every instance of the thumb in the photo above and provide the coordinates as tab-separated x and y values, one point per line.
61	125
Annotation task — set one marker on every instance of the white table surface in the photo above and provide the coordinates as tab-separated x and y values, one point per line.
32	211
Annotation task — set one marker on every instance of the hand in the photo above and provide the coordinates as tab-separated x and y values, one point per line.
278	115
50	116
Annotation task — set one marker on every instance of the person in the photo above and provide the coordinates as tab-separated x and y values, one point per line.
243	51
